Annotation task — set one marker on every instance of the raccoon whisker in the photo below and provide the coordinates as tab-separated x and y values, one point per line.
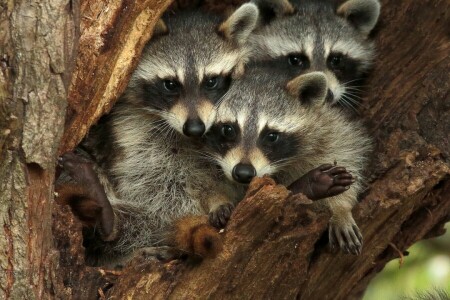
353	96
352	100
282	163
350	81
208	156
351	88
349	103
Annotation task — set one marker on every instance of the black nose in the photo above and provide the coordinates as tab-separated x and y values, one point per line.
243	173
330	96
194	128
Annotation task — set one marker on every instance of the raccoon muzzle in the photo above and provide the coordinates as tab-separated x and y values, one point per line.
194	128
243	173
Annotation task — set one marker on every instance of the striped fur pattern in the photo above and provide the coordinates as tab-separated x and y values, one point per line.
282	129
319	36
152	172
188	66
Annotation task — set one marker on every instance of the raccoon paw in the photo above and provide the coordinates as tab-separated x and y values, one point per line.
92	204
348	237
322	182
219	216
78	167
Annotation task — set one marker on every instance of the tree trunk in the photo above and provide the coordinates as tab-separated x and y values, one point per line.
39	43
275	244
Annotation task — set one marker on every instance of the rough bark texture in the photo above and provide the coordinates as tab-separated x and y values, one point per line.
113	34
37	41
38	47
275	244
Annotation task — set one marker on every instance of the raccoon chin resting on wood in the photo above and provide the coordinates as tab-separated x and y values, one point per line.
147	153
269	125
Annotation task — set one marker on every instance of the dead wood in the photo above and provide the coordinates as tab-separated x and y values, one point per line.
275	245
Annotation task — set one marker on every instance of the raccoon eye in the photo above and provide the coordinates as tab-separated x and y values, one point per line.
228	132
272	137
335	61
212	83
298	60
171	85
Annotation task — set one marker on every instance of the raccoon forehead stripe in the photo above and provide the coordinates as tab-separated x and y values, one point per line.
181	75
154	69
286	124
242	118
353	50
308	46
279	46
222	65
262	122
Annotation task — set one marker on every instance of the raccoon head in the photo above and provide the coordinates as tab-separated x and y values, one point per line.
260	127
320	37
188	65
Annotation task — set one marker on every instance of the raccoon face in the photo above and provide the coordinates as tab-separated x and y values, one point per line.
188	66
261	128
319	38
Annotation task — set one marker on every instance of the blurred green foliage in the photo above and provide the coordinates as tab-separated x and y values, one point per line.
426	267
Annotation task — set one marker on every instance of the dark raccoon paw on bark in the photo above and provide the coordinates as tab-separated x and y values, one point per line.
219	216
86	197
78	167
325	181
347	237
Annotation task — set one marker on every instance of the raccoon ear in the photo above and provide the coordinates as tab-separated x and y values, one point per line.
309	88
160	28
362	14
271	9
240	24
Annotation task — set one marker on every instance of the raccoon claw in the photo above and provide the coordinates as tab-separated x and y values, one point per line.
348	238
325	181
220	216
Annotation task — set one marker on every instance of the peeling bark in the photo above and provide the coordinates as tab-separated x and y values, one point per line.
275	245
113	34
33	101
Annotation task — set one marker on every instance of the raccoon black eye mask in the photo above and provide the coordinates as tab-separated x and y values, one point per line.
267	125
317	36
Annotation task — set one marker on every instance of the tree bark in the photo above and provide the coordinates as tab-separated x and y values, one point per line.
39	43
275	244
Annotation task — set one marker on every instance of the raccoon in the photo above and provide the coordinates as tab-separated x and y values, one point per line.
314	35
269	125
152	172
188	65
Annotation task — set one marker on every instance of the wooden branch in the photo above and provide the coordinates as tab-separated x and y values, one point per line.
113	34
273	246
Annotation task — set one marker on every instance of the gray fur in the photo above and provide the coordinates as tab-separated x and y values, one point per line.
259	100
154	175
316	30
194	49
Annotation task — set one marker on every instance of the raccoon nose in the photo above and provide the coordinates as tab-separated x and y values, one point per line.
194	128
330	96
243	173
